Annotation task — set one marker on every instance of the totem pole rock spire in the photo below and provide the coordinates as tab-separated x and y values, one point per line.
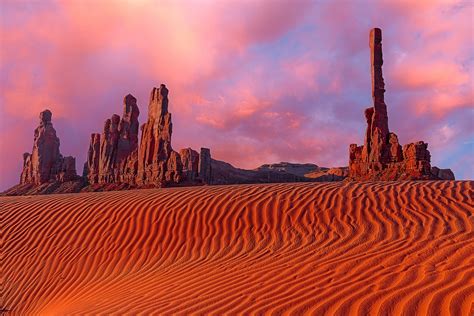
380	118
382	157
376	116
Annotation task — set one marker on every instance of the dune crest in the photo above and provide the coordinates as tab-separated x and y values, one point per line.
324	249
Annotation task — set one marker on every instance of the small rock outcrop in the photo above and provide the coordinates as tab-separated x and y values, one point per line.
205	169
382	157
45	163
443	174
190	161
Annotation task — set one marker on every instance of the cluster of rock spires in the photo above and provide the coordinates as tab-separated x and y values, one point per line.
382	157
117	160
112	156
115	156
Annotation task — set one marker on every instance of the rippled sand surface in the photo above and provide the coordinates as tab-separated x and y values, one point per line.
395	248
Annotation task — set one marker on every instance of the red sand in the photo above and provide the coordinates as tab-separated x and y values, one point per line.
323	249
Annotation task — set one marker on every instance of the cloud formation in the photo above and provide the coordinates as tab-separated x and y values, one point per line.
256	81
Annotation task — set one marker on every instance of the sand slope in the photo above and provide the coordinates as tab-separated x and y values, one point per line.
317	248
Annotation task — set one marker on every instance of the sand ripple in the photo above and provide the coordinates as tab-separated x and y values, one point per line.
396	248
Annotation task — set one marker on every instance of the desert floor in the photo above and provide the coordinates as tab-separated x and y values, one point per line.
394	248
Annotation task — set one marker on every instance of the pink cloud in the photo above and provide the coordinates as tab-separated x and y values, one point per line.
440	75
437	86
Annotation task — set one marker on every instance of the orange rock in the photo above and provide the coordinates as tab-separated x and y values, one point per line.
46	163
382	157
113	156
155	150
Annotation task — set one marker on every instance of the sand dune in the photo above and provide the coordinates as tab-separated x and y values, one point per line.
318	248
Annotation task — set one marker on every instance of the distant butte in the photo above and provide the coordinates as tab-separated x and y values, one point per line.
381	157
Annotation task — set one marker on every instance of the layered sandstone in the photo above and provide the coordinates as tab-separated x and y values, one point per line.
382	157
45	163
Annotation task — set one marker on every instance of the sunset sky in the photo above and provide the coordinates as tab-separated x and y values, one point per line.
255	81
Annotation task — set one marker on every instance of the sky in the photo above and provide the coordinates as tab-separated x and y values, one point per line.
255	81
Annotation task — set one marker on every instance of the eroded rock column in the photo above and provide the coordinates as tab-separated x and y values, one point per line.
158	164
46	163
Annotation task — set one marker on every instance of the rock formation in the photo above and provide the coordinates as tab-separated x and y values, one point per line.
91	166
381	157
190	161
292	168
443	174
116	157
127	146
46	163
158	163
225	173
205	169
113	156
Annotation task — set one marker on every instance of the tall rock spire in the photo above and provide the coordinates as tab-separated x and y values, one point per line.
376	116
382	157
128	127
157	162
378	85
46	163
127	146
